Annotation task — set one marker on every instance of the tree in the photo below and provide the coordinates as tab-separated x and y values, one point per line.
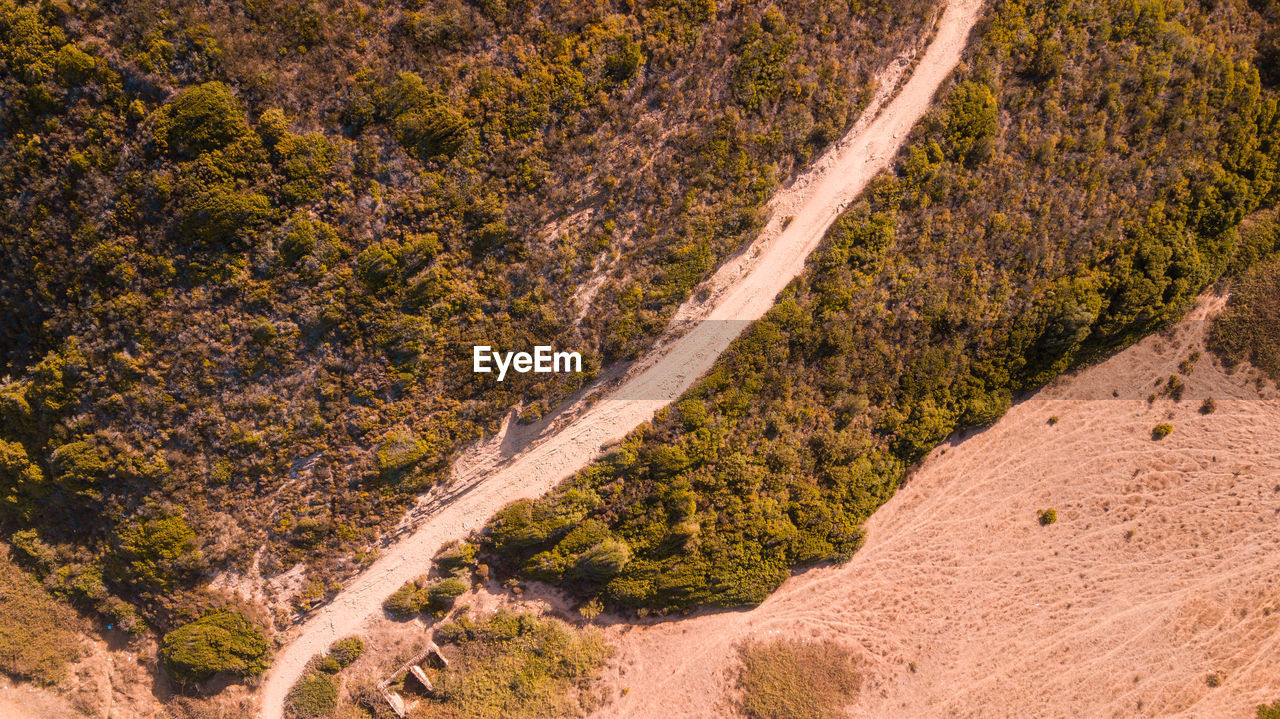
971	123
157	551
220	642
217	218
603	561
21	481
201	119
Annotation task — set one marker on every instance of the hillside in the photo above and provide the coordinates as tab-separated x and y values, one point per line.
1157	574
1076	187
248	247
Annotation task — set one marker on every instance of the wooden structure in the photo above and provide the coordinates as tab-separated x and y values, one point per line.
433	658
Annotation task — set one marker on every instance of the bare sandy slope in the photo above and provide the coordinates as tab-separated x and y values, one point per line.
741	291
1163	566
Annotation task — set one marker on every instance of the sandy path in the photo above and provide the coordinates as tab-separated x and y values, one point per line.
741	291
1004	618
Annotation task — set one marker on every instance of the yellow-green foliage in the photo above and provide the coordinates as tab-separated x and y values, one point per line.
201	119
314	696
516	665
156	551
38	635
261	256
1065	198
346	651
219	642
788	679
422	595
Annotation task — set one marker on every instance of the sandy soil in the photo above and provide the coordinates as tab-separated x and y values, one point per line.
110	680
1163	566
741	291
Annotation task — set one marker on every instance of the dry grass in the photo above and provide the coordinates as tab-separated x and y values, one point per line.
796	680
1249	330
37	634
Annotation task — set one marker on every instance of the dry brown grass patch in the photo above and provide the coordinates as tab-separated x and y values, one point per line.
788	679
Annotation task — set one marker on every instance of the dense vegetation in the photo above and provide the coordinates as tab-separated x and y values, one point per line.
1249	328
39	635
785	679
1081	182
246	249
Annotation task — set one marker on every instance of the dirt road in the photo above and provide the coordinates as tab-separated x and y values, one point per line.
1159	573
741	291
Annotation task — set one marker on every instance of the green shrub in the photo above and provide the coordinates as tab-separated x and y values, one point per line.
971	123
455	556
430	132
313	697
603	561
399	451
1047	516
220	642
1162	430
440	595
347	650
376	265
306	162
1249	328
157	552
201	119
220	218
1269	711
39	636
75	65
405	602
21	481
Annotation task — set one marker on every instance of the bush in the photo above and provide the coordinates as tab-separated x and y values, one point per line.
440	595
314	696
156	552
1162	430
455	556
38	634
1269	711
346	651
1047	516
220	642
971	122
220	217
1249	328
398	452
201	119
404	602
603	561
430	132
